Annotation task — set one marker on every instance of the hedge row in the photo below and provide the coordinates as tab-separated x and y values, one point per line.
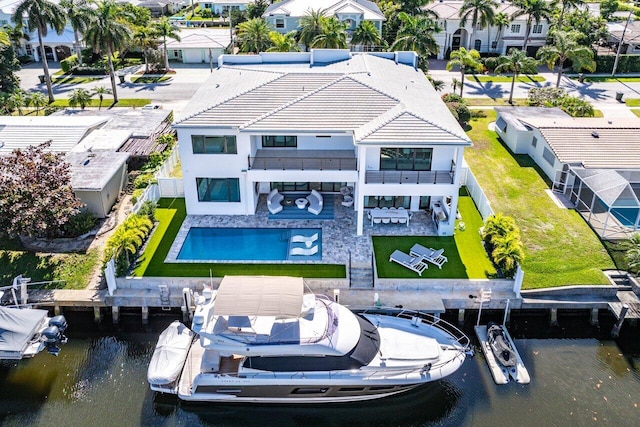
626	64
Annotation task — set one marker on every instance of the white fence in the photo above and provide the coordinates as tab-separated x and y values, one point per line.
478	196
166	187
171	187
167	167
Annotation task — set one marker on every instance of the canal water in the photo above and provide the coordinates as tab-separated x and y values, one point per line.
579	377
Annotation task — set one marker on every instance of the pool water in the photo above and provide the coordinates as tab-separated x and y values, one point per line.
626	216
246	244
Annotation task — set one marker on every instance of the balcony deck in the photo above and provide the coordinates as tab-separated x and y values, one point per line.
408	177
274	159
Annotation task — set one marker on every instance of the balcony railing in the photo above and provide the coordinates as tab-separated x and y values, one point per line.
302	163
409	177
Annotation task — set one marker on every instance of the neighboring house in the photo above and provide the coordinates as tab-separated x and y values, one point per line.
285	16
630	39
594	162
199	45
499	42
321	121
157	8
220	6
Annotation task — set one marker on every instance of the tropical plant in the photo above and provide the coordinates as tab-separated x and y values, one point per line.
108	33
126	240
14	35
80	97
632	255
367	35
466	60
256	8
502	21
283	42
17	101
413	7
36	198
310	26
146	39
515	62
333	35
253	35
438	85
37	100
536	11
79	13
480	12
567	5
455	84
508	252
593	28
41	15
497	226
390	26
101	91
566	47
607	8
165	28
416	34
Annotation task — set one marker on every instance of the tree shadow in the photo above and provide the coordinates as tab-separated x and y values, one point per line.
492	90
585	90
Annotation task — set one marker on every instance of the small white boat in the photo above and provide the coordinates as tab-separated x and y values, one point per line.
261	339
25	332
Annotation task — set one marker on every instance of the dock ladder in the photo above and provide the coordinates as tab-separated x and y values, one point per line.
164	297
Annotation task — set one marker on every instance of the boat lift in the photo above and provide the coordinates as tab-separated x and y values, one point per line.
500	374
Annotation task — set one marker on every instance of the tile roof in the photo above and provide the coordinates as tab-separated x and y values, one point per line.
298	8
593	142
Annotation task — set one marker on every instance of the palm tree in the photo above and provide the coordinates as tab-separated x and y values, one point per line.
496	226
80	97
108	33
41	15
253	35
164	28
145	38
78	13
37	100
536	11
17	101
508	252
416	33
14	35
101	91
633	253
466	60
4	39
481	12
502	21
413	7
515	62
367	35
310	26
283	42
567	5
566	47
333	35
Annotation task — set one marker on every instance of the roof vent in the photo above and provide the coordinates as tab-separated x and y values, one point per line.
595	134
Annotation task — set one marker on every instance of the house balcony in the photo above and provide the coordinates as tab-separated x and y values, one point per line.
299	160
409	177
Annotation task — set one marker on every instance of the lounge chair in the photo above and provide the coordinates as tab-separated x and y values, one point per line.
307	240
433	256
273	201
304	251
315	202
411	262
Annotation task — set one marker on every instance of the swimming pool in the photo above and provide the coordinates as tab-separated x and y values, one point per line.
251	244
626	216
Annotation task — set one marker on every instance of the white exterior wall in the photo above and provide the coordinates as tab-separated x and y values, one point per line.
536	154
311	142
517	140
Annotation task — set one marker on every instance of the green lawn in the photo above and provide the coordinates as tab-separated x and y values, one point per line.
636	111
170	214
74	269
107	102
69	79
467	258
632	102
560	247
594	79
146	79
497	102
507	79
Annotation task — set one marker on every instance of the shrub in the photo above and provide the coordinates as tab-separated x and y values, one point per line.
127	240
50	110
148	209
491	63
575	107
478	114
453	97
557	97
460	112
502	242
79	224
69	63
137	193
144	180
89	71
25	59
206	13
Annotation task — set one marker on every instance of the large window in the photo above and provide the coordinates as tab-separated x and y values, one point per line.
323	187
537	29
218	189
548	156
406	159
279	141
387	202
214	144
515	28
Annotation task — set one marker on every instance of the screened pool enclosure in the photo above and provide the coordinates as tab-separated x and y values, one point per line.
607	198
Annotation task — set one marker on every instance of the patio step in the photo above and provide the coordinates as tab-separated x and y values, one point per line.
361	276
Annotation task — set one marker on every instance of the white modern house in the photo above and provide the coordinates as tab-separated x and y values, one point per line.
198	45
594	162
285	15
490	39
321	120
220	6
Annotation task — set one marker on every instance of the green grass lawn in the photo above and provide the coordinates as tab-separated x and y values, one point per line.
107	102
636	111
497	102
69	79
595	79
507	79
466	257
146	79
632	102
74	269
170	214
560	247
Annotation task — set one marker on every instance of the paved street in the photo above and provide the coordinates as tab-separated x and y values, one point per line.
176	93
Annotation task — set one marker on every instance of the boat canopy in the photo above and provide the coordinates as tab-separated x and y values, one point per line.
17	327
260	296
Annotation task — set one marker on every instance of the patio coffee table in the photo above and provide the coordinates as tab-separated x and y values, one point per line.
301	203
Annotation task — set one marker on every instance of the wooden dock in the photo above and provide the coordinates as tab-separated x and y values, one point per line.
500	374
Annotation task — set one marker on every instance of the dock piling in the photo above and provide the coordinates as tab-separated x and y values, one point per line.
615	332
97	314
56	310
461	316
593	320
115	314
145	315
554	317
